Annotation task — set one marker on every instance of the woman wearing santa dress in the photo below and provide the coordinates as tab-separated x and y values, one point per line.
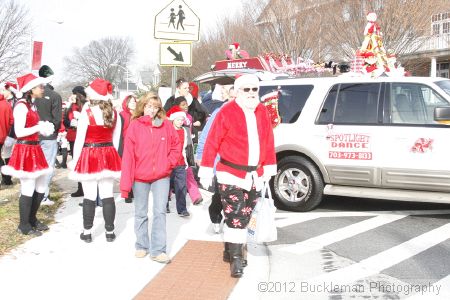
27	161
96	162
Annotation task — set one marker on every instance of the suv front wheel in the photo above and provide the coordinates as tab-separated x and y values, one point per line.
298	185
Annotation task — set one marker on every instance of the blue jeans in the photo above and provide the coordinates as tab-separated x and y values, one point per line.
160	192
50	149
178	182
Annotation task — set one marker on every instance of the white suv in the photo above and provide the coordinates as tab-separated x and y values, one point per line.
380	138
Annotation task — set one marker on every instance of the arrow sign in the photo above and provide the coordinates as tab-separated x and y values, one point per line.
178	57
175	54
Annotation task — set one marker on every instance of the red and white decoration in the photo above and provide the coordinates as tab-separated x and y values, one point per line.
99	89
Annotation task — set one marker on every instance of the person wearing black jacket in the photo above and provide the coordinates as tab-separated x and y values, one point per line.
49	109
196	109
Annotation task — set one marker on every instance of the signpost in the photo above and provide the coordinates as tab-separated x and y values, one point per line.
175	54
178	23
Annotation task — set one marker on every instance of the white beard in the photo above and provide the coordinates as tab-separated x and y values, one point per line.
249	103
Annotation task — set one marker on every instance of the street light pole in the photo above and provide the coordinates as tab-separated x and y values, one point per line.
58	21
123	68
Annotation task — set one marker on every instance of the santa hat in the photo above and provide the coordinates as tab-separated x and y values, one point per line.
371	17
246	80
193	89
99	89
10	86
234	46
175	112
29	81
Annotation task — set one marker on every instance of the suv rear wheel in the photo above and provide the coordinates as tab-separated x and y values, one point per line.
298	185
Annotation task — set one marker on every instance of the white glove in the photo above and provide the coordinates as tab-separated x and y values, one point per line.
205	182
46	128
73	122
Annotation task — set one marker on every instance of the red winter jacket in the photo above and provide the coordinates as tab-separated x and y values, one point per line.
6	119
150	152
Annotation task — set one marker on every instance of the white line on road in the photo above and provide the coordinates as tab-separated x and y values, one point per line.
383	260
318	242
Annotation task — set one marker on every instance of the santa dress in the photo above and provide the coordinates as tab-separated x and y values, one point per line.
27	159
98	159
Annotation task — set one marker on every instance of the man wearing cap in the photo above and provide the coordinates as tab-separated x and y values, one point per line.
242	135
49	109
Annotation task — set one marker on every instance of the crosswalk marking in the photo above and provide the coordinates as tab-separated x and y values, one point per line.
287	219
318	242
383	260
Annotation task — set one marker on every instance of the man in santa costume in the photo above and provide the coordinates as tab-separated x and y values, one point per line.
243	138
96	162
27	161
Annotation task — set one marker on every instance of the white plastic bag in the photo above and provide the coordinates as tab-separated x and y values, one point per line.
261	228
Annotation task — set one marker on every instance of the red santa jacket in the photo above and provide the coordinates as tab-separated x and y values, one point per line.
232	136
6	119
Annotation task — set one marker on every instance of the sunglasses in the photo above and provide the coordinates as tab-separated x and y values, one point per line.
255	89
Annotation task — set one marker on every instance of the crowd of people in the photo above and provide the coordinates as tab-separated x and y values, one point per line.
147	145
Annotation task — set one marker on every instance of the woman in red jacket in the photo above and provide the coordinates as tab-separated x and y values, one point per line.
6	121
151	152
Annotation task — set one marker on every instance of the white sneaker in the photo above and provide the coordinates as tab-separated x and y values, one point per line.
47	201
216	227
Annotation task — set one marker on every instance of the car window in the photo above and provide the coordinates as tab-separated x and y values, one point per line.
291	99
413	103
351	104
445	85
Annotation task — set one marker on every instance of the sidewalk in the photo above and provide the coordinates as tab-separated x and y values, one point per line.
58	265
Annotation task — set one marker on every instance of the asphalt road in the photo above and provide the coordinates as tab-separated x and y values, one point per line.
351	248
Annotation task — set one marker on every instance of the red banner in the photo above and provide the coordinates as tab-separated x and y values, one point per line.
37	55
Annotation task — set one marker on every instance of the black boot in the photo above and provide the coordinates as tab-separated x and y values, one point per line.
88	218
25	203
226	254
109	214
236	267
35	223
78	192
64	158
6	179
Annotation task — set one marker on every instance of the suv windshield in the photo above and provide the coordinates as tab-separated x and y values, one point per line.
445	85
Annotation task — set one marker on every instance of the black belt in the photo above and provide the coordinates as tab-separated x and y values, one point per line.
27	142
238	167
95	145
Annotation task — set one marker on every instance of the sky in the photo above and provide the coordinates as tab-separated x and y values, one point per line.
87	20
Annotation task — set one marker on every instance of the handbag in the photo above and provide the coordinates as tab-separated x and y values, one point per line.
261	227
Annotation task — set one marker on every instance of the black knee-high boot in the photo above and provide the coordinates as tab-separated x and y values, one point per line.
79	192
236	267
88	218
64	158
6	179
35	223
25	203
226	254
109	214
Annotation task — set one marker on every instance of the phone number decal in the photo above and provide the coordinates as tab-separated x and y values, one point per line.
350	155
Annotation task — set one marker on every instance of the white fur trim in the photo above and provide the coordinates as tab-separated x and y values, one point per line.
93	95
178	114
32	84
234	235
8	170
270	170
94	176
206	172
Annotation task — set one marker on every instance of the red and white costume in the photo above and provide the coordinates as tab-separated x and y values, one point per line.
243	137
98	159
27	159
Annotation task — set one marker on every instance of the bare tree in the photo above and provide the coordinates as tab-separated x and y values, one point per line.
403	23
100	59
14	39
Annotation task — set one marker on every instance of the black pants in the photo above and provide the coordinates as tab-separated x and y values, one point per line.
237	204
215	208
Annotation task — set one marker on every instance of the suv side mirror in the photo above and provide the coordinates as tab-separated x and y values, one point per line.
442	114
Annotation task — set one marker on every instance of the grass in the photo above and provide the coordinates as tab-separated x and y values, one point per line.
9	215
